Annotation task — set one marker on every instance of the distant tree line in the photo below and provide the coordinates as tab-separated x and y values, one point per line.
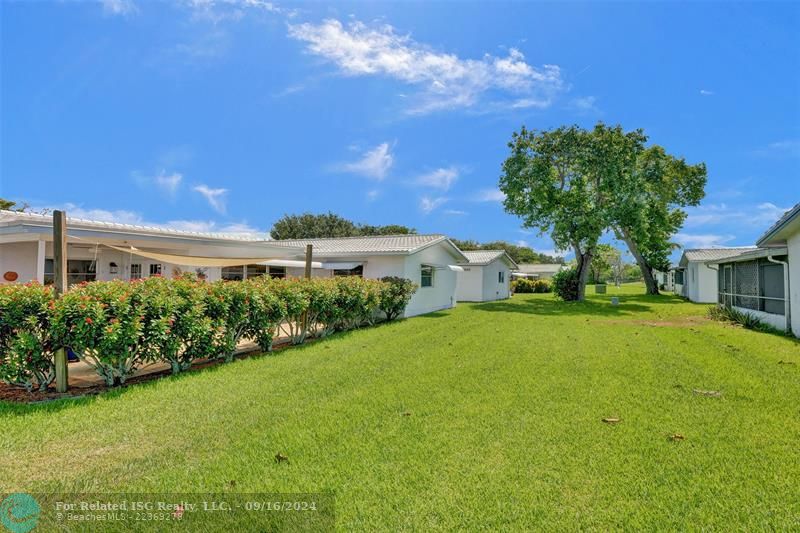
313	226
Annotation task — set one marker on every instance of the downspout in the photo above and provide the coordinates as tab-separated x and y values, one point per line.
787	300
717	271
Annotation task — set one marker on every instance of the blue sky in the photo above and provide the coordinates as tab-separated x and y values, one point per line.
224	115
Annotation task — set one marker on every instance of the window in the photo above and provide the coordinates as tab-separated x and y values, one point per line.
501	277
254	271
277	272
357	271
233	273
155	269
136	271
78	270
426	276
679	277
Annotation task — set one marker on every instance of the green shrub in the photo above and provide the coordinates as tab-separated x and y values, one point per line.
357	300
102	323
266	311
295	301
395	294
724	313
26	342
542	286
565	284
227	304
522	286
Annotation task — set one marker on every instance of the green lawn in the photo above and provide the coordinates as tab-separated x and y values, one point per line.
486	416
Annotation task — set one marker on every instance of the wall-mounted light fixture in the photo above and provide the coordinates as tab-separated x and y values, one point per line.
113	268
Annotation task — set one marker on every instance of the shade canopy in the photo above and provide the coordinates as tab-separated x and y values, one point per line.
198	261
341	265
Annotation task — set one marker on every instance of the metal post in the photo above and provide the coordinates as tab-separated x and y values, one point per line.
60	272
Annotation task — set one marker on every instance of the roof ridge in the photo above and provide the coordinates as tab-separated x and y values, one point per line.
363	237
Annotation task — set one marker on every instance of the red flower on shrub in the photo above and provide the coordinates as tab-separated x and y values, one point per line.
89	320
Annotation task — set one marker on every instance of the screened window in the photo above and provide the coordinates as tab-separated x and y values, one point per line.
756	285
501	277
357	271
254	271
233	273
277	272
426	276
136	271
155	269
679	277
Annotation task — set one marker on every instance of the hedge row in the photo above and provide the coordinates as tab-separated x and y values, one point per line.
525	285
117	326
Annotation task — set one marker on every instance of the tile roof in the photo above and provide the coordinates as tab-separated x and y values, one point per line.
787	217
713	254
378	244
9	218
482	257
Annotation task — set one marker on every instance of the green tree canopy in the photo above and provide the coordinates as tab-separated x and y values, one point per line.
577	184
311	226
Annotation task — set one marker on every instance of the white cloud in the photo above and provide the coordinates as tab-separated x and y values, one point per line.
489	195
374	164
445	81
707	240
584	104
123	216
785	148
455	212
706	92
120	216
373	194
762	214
119	7
169	182
428	204
215	197
441	178
218	11
523	243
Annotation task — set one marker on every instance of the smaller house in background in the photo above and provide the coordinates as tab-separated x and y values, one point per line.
666	280
485	276
537	270
696	275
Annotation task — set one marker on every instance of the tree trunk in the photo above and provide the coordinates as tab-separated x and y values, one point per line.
584	266
647	272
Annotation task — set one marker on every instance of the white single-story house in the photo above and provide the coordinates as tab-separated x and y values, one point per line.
486	276
430	261
99	250
666	280
537	270
696	275
782	241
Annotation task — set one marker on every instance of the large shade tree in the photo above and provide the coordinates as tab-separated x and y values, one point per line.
579	183
564	180
648	208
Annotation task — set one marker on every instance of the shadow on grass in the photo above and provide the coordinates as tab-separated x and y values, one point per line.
553	307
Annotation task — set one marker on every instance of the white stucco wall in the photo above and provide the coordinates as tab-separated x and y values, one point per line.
19	257
793	244
469	287
776	321
701	283
443	293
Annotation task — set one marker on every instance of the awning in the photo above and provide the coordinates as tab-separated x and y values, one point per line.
290	263
341	266
196	261
455	268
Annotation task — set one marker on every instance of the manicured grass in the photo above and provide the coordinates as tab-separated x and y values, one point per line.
486	416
